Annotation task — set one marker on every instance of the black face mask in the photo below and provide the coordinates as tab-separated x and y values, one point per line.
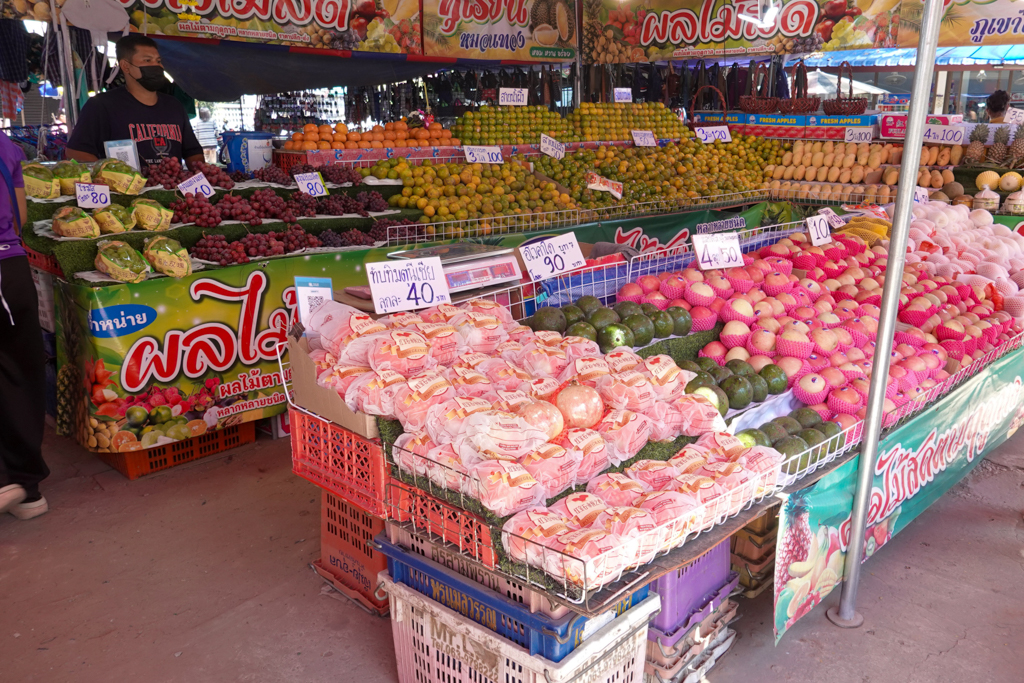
152	78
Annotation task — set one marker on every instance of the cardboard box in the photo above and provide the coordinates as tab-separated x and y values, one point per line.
44	293
323	402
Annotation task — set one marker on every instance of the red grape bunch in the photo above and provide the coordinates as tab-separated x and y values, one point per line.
353	237
241	176
235	208
196	209
339	174
341	204
267	204
302	204
272	174
169	172
372	201
298	169
295	238
265	244
215	175
216	248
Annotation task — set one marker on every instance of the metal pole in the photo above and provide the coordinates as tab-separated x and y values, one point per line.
846	616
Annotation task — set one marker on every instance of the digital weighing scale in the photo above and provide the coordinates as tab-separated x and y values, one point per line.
470	266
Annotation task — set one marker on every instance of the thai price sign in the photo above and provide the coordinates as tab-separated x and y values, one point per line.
833	219
406	285
551	257
1014	117
710	134
643	138
551	147
196	185
482	155
91	196
717	250
943	135
818	230
921	195
311	183
859	135
623	94
537	30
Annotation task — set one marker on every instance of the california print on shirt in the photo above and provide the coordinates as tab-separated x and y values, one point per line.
159	135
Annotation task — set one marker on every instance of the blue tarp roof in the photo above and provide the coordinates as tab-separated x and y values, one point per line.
945	56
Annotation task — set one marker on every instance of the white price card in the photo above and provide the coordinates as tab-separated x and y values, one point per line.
602	184
921	195
92	196
644	138
407	285
548	258
832	217
718	250
513	97
197	185
943	135
1014	117
551	147
860	134
623	94
482	155
709	134
310	293
818	229
312	184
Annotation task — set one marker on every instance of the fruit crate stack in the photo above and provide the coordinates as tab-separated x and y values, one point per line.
691	633
753	553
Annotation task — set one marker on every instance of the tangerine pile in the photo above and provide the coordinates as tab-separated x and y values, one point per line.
390	135
512	126
609	122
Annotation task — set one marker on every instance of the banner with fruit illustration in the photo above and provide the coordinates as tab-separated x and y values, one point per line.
353	25
966	22
656	30
521	30
917	464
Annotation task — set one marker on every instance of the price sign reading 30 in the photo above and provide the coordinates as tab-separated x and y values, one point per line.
718	250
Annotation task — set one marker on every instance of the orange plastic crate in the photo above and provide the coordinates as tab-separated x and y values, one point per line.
135	464
442	520
346	558
43	262
337	460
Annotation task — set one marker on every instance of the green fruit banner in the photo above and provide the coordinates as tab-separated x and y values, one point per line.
917	464
656	30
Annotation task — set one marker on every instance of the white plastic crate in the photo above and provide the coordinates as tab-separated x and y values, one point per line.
696	669
433	643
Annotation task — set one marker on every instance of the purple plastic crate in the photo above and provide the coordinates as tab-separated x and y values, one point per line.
686	590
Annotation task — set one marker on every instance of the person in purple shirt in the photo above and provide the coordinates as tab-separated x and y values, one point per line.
22	363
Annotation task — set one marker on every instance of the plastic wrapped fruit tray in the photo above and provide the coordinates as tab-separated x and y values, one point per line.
434	643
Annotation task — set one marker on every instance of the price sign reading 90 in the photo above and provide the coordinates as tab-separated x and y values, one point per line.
407	285
718	250
550	257
311	183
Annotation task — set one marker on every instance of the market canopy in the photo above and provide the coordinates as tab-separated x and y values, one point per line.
821	83
951	56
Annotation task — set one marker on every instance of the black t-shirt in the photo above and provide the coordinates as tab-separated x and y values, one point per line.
159	131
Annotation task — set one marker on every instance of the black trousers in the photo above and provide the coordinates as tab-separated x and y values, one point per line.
22	380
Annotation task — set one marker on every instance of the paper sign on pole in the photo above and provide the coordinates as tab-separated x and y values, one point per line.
551	257
407	285
818	229
551	147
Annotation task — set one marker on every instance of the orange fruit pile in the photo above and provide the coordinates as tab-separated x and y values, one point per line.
395	134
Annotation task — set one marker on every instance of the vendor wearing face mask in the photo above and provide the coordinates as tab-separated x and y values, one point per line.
155	121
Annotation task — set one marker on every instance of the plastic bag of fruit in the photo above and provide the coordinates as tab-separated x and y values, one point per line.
70	172
120	261
39	181
167	256
113	219
71	221
118	175
151	214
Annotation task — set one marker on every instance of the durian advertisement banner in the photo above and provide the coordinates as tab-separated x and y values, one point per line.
917	464
521	30
658	30
967	22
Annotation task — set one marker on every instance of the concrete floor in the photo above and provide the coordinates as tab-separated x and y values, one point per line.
200	573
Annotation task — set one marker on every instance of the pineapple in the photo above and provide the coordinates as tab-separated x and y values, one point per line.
1016	153
796	545
976	150
72	414
997	152
591	28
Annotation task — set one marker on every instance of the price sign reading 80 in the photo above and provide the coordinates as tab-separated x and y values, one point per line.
91	196
312	184
721	250
818	229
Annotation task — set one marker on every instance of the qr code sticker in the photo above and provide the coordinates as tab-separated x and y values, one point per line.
314	302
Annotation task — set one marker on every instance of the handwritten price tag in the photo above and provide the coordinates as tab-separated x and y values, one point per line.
197	185
860	134
644	138
943	135
551	257
551	147
718	250
312	184
482	155
407	285
623	94
602	184
513	97
833	219
1014	117
91	196
709	134
818	230
921	195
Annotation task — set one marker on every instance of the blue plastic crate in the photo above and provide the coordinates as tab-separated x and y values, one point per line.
542	635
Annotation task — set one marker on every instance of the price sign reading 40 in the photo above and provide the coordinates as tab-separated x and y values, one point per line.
91	196
407	285
818	229
312	184
718	250
944	135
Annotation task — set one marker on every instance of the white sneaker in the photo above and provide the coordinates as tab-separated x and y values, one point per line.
31	510
11	495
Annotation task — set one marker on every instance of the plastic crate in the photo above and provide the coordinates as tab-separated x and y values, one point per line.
696	670
44	262
766	522
442	521
433	643
450	557
686	589
338	460
753	577
693	640
553	638
752	547
346	553
669	671
670	646
135	464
